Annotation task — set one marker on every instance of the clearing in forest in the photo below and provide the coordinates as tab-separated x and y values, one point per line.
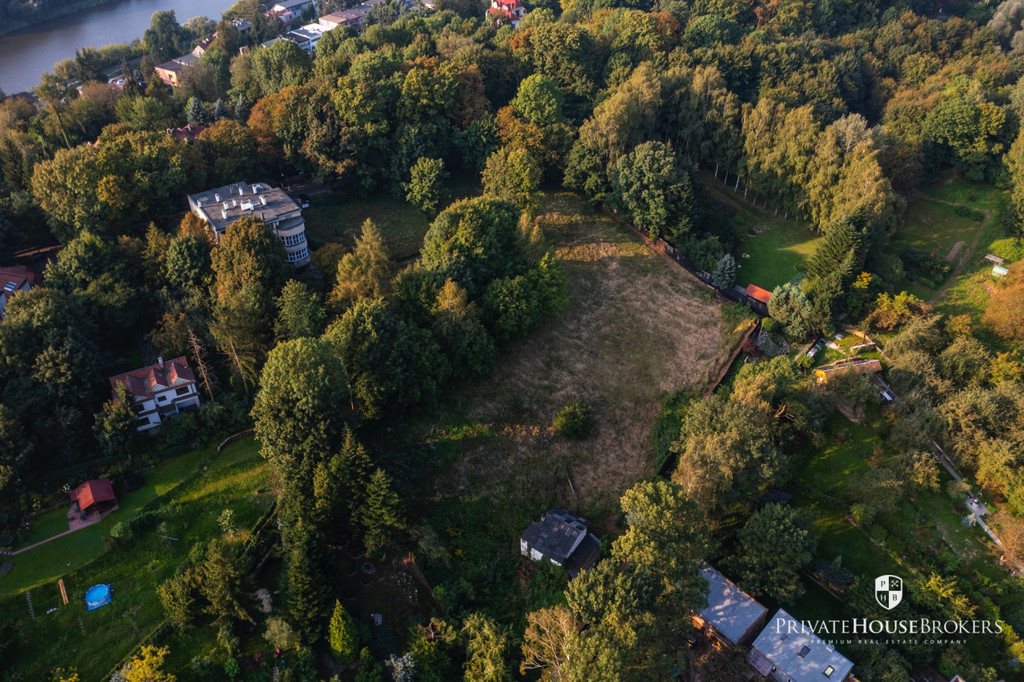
636	328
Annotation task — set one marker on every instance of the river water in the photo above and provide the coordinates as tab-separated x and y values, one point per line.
26	55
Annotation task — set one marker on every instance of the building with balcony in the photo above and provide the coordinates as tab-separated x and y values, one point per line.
159	391
224	205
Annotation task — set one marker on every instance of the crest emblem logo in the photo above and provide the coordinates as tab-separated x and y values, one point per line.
888	591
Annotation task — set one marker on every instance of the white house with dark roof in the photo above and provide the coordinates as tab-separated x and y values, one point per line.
562	539
159	390
224	205
787	652
13	280
732	615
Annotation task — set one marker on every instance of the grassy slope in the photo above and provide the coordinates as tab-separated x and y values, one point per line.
50	561
933	225
95	641
636	328
772	249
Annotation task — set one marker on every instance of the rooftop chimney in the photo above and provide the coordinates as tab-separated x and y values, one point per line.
160	360
216	197
263	200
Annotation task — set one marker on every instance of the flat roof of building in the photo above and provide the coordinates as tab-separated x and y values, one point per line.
224	205
799	653
730	610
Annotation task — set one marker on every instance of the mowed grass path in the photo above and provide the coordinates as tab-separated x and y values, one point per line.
94	641
772	250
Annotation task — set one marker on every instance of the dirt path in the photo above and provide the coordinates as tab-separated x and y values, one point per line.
963	255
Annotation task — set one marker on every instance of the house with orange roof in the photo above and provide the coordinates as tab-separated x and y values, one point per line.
159	391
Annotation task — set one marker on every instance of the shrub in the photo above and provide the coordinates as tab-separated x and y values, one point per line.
862	514
573	421
121	532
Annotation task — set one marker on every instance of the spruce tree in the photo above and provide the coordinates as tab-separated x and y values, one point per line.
195	112
840	250
381	516
241	109
725	272
305	583
354	468
220	110
343	635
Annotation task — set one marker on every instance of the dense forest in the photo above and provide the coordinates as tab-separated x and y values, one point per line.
832	113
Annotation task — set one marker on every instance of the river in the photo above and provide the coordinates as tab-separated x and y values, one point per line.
27	54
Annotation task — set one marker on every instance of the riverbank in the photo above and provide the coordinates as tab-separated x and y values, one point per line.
26	54
70	7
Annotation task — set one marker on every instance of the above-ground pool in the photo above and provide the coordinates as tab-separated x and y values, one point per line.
97	596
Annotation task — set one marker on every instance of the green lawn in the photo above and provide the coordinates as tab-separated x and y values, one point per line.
772	250
51	560
93	642
943	214
337	217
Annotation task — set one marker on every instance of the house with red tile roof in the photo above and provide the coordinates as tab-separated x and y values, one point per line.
160	390
511	11
13	279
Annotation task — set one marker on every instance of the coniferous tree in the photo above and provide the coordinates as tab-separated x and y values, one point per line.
724	275
220	110
221	583
366	271
381	516
486	647
343	636
195	112
300	312
305	584
839	251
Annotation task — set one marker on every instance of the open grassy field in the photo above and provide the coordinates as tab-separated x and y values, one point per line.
337	217
772	249
951	220
636	328
93	642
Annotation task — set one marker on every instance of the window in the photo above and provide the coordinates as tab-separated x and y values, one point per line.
829	670
183	390
295	257
804	651
294	239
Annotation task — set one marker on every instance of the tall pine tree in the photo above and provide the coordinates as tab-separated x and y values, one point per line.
381	516
306	588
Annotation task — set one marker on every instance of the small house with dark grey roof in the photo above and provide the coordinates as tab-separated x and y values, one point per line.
732	616
562	539
785	651
159	391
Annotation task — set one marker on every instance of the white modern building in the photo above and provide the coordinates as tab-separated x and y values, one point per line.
160	390
224	205
732	616
785	651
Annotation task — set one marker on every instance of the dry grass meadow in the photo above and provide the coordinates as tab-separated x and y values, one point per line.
637	328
